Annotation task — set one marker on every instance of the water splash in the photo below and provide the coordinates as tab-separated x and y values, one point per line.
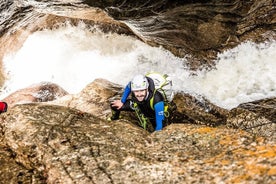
245	73
73	57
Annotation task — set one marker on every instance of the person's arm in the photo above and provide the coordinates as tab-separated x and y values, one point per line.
159	115
119	103
126	93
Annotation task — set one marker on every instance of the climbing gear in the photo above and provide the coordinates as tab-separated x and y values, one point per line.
115	115
163	84
142	119
139	82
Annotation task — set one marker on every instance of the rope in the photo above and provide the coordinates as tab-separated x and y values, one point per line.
142	119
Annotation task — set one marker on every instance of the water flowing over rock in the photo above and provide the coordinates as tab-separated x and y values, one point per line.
201	28
197	28
26	19
50	136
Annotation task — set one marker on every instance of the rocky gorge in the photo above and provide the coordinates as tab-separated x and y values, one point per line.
51	136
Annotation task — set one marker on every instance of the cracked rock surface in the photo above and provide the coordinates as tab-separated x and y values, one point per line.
58	142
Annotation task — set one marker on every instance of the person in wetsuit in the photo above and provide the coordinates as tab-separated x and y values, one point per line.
142	90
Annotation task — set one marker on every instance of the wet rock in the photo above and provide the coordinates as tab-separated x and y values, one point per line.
258	117
259	18
200	28
199	110
41	92
26	19
95	98
70	146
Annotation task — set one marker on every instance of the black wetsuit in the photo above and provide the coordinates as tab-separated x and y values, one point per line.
156	115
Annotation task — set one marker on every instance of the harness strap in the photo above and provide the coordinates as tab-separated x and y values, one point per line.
142	119
166	105
151	100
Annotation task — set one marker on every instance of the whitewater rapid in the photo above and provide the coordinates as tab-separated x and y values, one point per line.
73	57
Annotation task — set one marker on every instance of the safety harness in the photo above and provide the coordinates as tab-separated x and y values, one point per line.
142	119
162	84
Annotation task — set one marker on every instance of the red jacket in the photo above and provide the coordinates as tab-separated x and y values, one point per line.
3	107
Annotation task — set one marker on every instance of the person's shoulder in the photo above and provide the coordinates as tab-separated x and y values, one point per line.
151	84
158	96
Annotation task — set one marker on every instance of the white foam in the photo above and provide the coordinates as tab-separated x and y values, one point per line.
73	57
245	73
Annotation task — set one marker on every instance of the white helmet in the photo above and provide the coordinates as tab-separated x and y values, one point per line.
139	82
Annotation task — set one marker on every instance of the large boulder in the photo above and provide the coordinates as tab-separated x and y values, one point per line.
258	117
95	98
198	110
68	140
66	145
41	92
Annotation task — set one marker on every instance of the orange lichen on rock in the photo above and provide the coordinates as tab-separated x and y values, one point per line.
229	140
204	130
240	178
252	170
272	171
266	151
225	162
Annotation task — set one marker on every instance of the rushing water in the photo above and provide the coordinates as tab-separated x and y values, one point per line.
73	57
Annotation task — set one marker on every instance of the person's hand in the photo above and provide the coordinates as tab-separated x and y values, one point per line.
117	104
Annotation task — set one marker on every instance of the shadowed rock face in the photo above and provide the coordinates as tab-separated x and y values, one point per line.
198	27
69	141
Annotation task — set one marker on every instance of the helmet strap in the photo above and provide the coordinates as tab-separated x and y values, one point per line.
147	94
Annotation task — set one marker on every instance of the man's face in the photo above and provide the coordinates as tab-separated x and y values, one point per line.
140	94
